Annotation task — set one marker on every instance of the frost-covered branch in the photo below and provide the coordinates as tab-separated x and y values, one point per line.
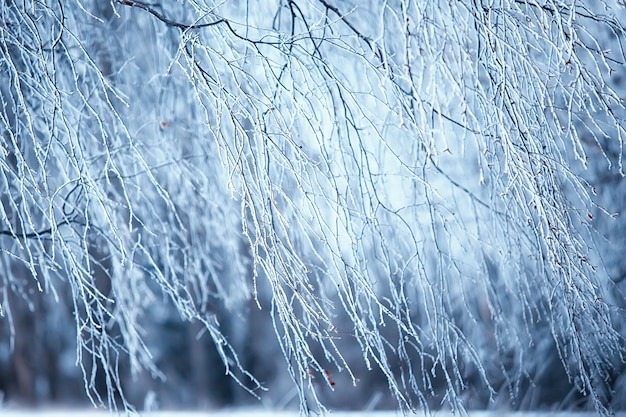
411	181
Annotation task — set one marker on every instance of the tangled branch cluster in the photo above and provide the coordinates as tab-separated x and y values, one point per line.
403	177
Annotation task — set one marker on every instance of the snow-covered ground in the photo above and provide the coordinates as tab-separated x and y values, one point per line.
262	413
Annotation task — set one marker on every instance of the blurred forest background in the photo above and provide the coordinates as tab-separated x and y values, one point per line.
349	204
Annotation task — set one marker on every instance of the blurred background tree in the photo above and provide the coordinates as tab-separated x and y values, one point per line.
381	204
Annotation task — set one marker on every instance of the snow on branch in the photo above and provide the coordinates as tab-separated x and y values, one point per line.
410	181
